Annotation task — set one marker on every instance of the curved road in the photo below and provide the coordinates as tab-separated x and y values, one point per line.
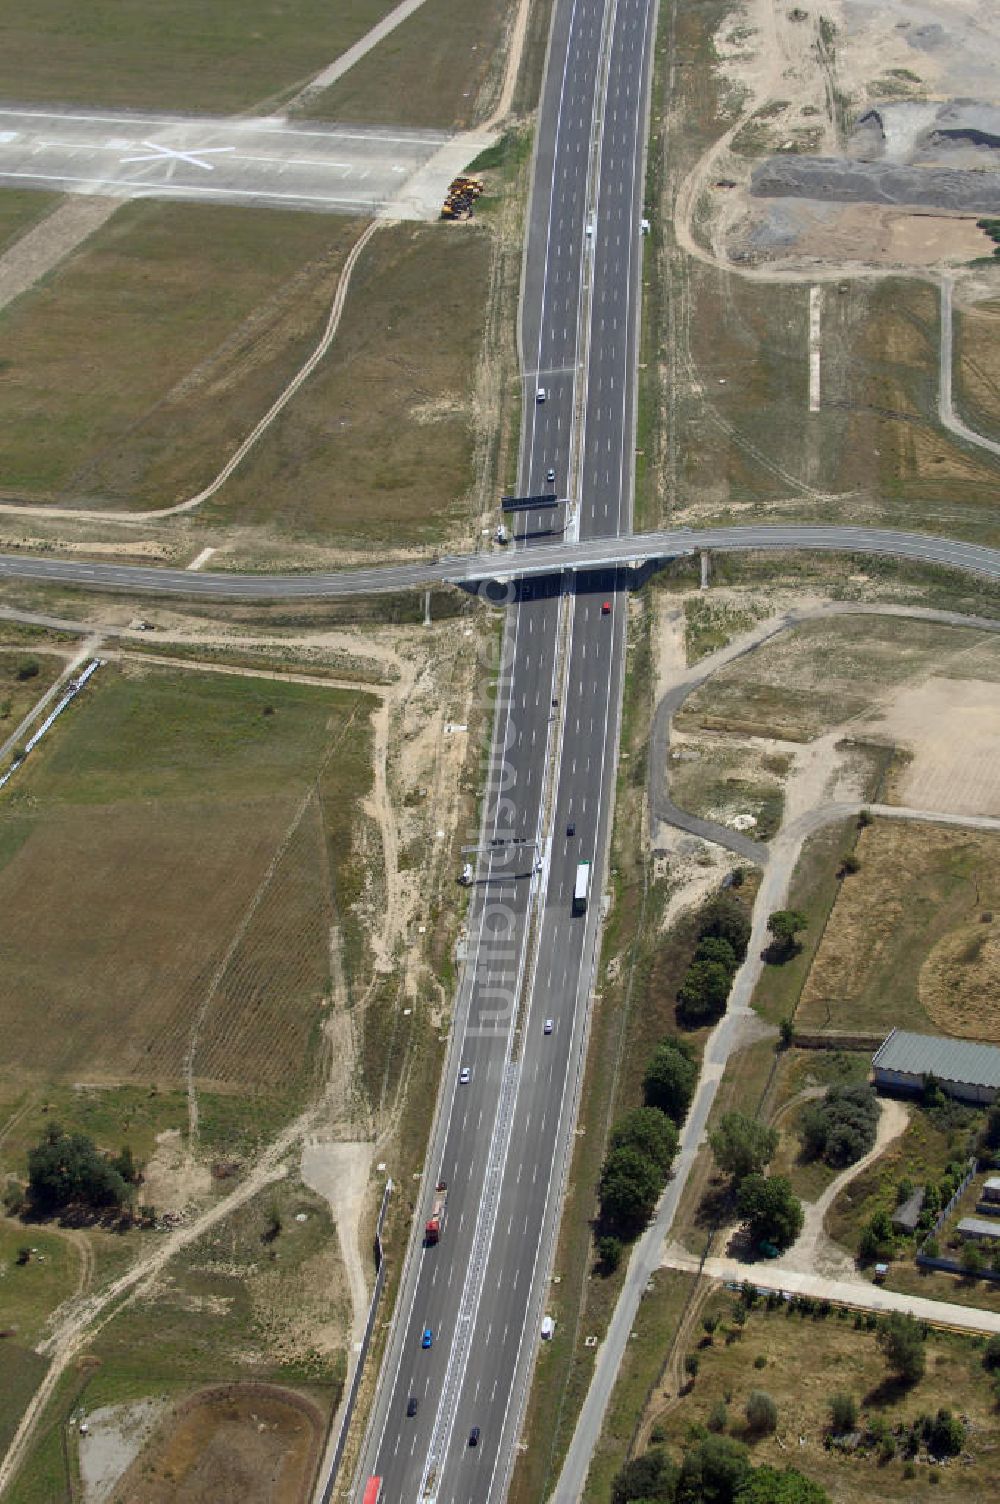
479	569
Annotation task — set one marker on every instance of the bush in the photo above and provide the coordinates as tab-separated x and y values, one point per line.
876	1240
691	1365
709	1323
991	1355
715	1468
718	1418
843	1413
28	668
971	1258
761	1413
727	918
715	948
670	1079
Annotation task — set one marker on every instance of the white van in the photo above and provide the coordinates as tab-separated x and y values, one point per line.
548	1327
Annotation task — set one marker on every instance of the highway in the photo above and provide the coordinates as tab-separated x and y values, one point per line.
589	554
502	1137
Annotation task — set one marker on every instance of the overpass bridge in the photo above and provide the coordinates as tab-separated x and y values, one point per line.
509	566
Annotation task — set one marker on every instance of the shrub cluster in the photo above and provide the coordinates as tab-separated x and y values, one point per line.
841	1127
65	1169
992	228
716	1468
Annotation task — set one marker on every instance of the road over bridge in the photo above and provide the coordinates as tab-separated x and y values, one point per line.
589	554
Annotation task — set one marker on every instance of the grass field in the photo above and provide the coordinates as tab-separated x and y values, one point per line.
825	673
230	299
193	839
24	677
905	944
769	1356
378	446
20	210
441	68
175	55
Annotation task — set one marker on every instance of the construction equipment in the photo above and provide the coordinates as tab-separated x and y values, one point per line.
462	194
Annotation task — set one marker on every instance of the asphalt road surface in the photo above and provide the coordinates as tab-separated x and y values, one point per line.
503	1135
268	163
587	556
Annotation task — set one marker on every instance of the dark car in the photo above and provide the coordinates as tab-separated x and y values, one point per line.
412	1406
571	829
474	1437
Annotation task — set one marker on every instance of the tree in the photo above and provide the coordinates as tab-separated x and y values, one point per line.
609	1251
692	1363
766	1485
770	1210
991	1356
947	1435
702	995
718	1418
742	1146
66	1168
670	1079
991	1133
971	1259
727	918
785	925
842	1125
843	1413
649	1130
713	1471
650	1477
761	1413
630	1185
786	1031
716	948
876	1240
28	668
901	1340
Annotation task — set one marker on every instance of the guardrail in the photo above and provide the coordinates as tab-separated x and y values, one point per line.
352	1397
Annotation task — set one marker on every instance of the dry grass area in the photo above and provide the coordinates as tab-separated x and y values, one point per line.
177	55
769	1356
235	299
976	376
240	1445
827	674
193	838
378	446
442	68
902	928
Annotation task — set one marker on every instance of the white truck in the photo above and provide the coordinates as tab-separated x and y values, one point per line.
581	891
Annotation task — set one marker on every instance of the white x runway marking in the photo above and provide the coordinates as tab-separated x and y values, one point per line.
159	153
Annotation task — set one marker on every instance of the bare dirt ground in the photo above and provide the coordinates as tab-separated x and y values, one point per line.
799	77
951	728
115	1437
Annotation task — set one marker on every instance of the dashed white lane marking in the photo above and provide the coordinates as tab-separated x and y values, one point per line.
815	305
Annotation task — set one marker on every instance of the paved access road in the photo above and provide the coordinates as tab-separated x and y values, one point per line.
269	163
590	554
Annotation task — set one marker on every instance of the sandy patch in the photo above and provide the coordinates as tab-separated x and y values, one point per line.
116	1434
960	980
172	1180
952	729
339	1173
46	244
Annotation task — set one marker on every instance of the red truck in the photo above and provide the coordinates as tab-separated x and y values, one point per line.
432	1232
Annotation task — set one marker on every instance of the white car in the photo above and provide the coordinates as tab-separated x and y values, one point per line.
465	1075
541	394
550	475
548	1026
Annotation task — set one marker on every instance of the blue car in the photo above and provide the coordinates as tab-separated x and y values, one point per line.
427	1338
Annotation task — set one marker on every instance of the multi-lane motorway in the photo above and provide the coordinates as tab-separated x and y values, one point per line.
502	1136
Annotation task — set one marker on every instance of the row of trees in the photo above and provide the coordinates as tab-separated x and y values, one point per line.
714	1468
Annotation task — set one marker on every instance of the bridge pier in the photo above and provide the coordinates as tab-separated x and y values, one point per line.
706	565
